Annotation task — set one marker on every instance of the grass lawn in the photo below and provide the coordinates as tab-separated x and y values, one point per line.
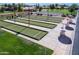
6	12
42	24
13	45
61	11
31	32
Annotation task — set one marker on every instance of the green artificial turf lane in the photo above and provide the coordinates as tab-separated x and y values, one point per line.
37	23
34	33
55	19
11	26
31	32
45	18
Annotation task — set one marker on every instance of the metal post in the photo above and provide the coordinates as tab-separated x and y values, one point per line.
29	18
47	13
14	16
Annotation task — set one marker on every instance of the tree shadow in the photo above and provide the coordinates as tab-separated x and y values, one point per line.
72	23
64	39
69	28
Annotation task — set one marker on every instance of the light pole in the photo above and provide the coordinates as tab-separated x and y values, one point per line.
29	17
14	16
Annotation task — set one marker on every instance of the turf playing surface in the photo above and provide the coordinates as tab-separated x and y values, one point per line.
44	18
13	45
42	24
31	32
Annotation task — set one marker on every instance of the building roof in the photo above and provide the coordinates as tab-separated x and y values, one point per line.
26	8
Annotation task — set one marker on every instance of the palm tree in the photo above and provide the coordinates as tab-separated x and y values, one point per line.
56	5
40	9
14	6
37	6
73	8
51	6
19	8
2	9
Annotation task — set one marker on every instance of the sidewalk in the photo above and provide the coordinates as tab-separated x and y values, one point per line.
51	40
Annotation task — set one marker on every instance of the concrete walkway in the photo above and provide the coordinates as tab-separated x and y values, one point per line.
51	40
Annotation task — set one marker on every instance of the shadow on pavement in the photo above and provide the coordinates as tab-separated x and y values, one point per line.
72	23
69	28
64	39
